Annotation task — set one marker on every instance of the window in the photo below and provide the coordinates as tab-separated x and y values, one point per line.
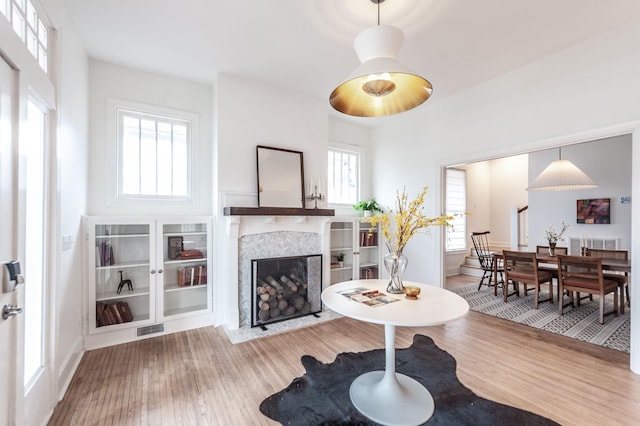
154	154
28	24
34	154
344	176
456	202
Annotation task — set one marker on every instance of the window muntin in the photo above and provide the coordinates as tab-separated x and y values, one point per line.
343	176
153	155
456	203
29	26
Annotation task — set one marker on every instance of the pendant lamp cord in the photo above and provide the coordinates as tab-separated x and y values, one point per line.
379	13
559	153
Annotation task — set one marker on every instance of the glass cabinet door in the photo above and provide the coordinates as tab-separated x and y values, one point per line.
342	257
186	272
369	252
122	280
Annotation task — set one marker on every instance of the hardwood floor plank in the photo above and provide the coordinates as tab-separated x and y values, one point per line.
199	378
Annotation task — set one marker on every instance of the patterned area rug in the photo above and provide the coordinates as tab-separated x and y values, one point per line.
580	323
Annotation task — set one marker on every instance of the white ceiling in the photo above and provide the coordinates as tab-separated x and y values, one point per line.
307	44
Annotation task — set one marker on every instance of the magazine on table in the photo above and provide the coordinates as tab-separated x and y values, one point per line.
368	296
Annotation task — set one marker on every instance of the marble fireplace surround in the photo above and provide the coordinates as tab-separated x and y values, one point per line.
257	236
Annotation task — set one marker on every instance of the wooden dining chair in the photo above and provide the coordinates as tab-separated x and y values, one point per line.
552	268
620	277
490	262
583	274
522	267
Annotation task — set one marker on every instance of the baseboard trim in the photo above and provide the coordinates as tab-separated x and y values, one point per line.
69	367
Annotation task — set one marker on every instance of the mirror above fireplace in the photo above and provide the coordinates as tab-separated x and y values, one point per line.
280	177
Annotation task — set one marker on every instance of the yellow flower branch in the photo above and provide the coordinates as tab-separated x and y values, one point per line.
408	219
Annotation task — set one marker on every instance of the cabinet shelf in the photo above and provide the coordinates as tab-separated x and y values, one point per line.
117	236
181	234
187	310
349	249
179	261
122	266
113	295
344	268
175	287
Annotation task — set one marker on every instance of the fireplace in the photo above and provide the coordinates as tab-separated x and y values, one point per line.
285	288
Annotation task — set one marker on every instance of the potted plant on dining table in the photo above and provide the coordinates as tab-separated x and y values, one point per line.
554	236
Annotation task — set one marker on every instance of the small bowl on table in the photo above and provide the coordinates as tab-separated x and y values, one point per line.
411	292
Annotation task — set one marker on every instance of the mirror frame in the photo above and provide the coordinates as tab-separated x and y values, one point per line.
276	166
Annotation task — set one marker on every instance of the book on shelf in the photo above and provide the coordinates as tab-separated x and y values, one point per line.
104	254
116	313
112	313
125	312
368	239
368	296
369	273
192	275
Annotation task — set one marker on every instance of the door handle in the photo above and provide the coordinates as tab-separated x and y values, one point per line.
9	311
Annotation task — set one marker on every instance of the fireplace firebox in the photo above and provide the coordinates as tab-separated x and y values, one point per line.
285	288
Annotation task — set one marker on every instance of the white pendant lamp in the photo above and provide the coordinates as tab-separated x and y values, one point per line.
381	85
561	175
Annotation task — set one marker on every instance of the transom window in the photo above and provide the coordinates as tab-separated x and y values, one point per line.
456	202
344	176
28	24
153	155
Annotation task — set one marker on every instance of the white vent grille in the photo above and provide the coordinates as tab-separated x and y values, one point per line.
593	243
156	328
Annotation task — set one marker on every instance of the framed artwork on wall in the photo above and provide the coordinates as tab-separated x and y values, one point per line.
593	211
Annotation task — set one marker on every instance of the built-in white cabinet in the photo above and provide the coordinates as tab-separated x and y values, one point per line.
354	250
146	276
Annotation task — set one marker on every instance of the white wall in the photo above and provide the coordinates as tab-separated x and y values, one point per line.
108	81
357	137
582	91
494	187
508	183
249	114
72	144
71	170
606	161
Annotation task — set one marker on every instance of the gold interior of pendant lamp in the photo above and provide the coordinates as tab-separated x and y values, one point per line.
381	85
561	175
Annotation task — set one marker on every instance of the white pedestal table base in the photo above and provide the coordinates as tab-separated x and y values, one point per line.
390	398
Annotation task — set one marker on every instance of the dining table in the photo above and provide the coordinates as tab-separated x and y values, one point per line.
609	264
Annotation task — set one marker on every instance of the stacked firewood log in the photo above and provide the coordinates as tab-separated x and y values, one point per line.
283	297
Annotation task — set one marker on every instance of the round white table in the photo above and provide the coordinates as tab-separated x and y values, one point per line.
385	396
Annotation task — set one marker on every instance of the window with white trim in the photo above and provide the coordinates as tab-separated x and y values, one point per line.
29	26
456	202
154	155
343	186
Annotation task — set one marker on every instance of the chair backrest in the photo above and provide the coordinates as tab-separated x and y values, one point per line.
520	260
481	245
608	254
545	250
574	270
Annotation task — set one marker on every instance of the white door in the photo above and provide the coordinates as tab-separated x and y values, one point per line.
8	247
